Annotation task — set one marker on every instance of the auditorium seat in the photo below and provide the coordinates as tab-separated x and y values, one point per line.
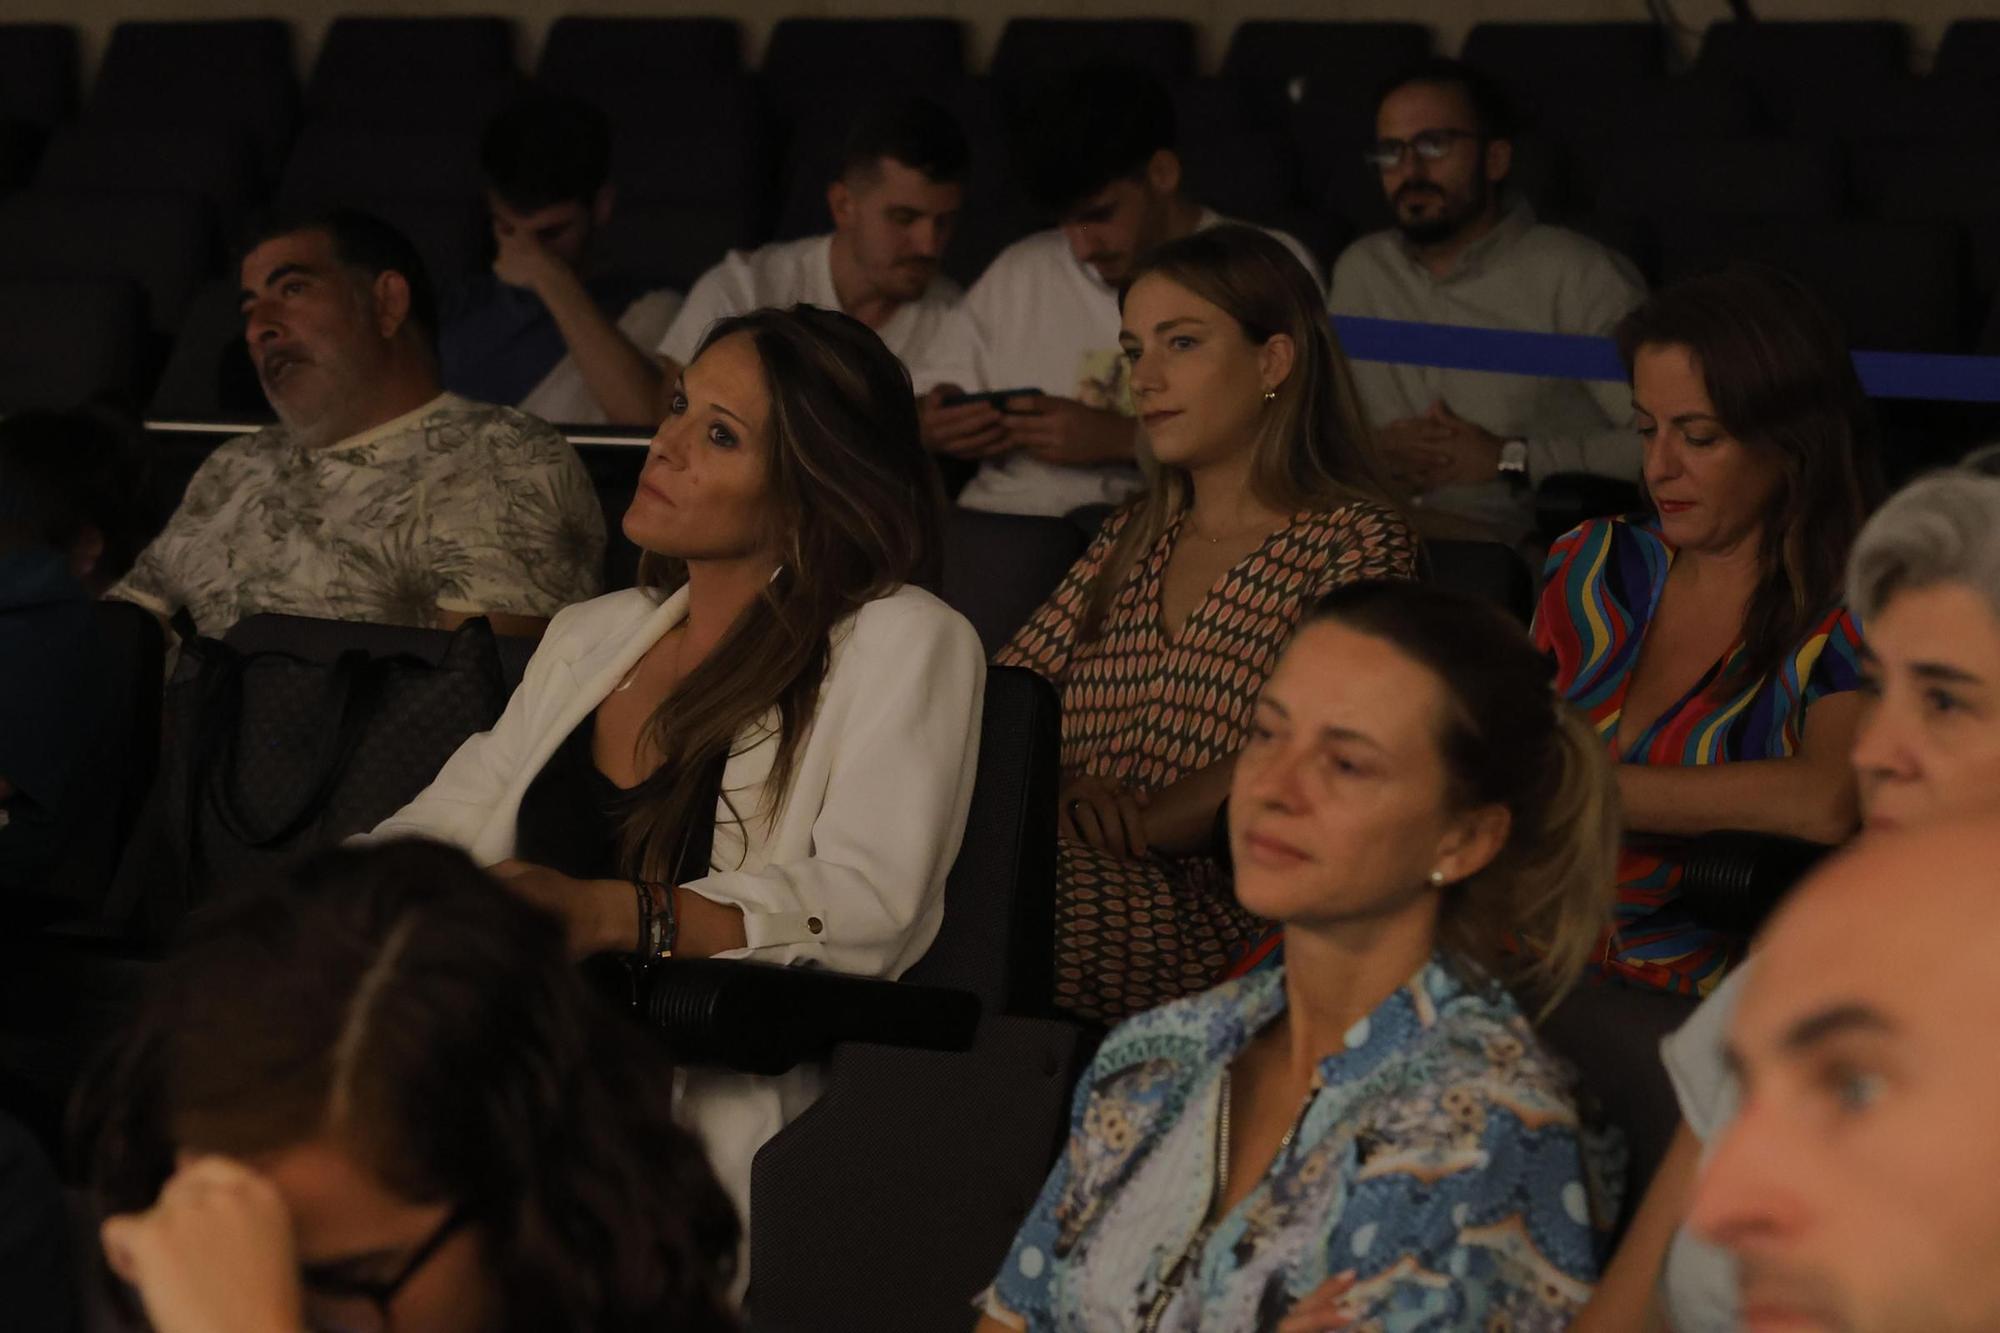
1031	49
230	75
208	374
1731	178
1903	109
215	165
38	73
1938	183
919	1163
1283	59
333	164
1611	1034
1969	49
1549	69
1252	175
826	66
1491	571
584	56
1897	286
1791	64
164	242
403	72
1000	568
1606	127
68	341
725	163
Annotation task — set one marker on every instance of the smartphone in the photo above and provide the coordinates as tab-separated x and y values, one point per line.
997	397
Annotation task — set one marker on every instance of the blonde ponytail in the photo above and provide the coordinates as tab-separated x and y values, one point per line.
1561	892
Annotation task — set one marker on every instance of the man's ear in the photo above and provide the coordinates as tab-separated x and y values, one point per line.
840	203
1163	172
601	206
86	549
1499	159
392	302
1275	359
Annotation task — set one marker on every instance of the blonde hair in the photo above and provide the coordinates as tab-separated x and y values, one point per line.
1313	448
1532	916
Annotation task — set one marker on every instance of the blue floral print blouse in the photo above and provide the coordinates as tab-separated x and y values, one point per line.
1440	1159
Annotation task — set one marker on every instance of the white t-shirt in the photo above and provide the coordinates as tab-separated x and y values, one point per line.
787	273
1038	318
563	396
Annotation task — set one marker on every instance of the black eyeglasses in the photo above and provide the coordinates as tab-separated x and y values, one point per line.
1430	145
337	1304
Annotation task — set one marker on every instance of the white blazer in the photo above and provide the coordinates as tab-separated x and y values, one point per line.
850	874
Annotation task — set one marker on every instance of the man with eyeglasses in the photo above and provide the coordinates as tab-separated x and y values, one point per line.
1467	250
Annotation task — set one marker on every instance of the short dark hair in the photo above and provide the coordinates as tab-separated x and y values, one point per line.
914	131
369	246
63	472
1492	109
1085	128
546	149
398	996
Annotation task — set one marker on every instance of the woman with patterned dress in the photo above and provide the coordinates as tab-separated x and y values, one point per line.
1707	641
1264	496
1369	1134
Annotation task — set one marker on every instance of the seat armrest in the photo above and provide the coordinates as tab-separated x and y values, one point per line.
1732	880
758	1018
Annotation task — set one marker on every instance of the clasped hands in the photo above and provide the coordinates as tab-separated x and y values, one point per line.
1054	430
1439	448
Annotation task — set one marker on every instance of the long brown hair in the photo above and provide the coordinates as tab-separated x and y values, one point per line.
859	510
397	998
1507	740
1775	362
1314	449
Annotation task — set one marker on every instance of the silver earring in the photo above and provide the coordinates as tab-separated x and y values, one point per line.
1437	879
1270	395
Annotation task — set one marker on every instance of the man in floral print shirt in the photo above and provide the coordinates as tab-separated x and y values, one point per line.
376	497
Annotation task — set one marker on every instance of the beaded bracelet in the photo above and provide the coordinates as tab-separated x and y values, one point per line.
661	920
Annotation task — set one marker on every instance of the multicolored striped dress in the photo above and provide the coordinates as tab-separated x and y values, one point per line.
1601	587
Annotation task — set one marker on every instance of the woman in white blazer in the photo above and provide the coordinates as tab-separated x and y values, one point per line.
766	751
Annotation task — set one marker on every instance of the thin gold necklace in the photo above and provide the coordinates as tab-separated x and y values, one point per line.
633	674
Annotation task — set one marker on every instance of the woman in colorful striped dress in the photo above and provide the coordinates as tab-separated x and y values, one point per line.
1706	641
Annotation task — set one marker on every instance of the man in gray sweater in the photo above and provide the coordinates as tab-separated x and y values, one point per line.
1466	250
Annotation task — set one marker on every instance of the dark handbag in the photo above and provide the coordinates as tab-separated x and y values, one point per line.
268	756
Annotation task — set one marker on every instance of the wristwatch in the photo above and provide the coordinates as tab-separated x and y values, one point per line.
1514	462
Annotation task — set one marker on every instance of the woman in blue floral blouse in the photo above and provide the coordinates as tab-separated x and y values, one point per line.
1368	1136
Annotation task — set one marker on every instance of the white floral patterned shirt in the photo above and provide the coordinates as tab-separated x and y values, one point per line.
454	507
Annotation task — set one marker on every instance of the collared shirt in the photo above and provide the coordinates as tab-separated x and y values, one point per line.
1439	1157
787	273
1521	275
1039	318
455	506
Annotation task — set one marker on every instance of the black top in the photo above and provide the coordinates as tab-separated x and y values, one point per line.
571	812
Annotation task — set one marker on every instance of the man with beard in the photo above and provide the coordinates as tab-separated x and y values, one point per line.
1096	150
894	199
376	497
1466	250
1856	1185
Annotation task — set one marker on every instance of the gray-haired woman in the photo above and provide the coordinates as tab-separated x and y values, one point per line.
1924	580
